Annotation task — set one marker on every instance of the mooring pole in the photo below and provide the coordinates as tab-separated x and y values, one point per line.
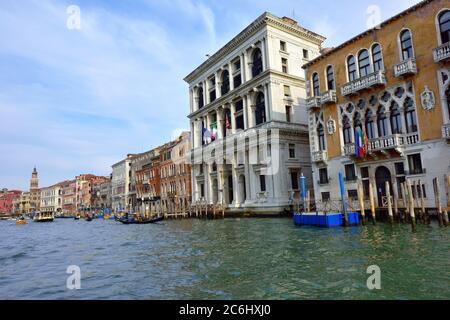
437	196
303	187
395	201
361	203
343	198
308	202
389	203
372	202
405	201
447	197
411	204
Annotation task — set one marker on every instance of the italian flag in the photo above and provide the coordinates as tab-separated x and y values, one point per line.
360	144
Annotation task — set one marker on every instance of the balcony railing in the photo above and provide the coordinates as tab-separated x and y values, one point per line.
371	80
385	143
442	52
406	67
313	103
319	156
328	97
446	131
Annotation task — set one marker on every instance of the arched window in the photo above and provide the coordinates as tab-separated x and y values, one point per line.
201	101
347	130
357	121
316	85
225	88
257	62
410	115
260	112
351	65
377	57
364	63
382	122
444	26
321	137
406	45
370	125
330	78
396	122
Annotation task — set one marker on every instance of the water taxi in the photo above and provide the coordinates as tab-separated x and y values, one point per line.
44	217
21	220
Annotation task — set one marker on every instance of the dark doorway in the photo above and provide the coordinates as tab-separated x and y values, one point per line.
382	174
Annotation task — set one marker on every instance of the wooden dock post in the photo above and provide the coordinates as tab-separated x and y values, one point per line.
361	203
411	205
372	202
389	203
308	201
395	201
405	202
447	198
422	204
437	197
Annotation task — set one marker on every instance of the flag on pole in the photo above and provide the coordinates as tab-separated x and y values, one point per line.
227	123
214	131
359	143
366	142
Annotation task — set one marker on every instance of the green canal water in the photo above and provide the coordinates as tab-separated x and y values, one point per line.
222	259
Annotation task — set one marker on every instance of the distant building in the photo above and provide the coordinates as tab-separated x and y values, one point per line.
69	197
148	182
393	84
138	163
121	184
7	200
22	204
101	195
51	199
84	185
175	173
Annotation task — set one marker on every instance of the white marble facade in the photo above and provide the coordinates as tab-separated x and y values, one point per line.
251	95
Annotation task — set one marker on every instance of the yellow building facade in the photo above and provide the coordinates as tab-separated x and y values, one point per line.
390	87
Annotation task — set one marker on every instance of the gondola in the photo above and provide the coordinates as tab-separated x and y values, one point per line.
152	220
88	218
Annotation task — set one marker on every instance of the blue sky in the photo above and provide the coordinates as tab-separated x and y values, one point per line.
77	101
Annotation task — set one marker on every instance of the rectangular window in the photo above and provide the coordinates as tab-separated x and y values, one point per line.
325	196
287	91
202	190
305	54
365	172
353	194
350	174
399	168
415	164
283	46
365	184
237	65
292	151
284	65
294	180
288	113
237	80
262	183
323	176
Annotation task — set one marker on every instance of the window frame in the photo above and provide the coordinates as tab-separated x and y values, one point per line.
332	80
352	75
377	65
367	68
315	84
403	48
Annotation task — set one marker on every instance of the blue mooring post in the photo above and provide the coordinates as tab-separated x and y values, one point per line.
302	183
344	204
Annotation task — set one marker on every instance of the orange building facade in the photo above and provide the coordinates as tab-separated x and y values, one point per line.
390	87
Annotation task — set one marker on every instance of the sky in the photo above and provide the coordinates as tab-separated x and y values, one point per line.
77	100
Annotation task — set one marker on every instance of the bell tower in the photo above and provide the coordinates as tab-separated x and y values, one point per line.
34	182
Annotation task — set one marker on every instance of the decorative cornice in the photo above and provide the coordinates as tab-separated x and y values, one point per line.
263	20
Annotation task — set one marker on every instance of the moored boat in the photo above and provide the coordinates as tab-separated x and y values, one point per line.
21	220
147	221
43	217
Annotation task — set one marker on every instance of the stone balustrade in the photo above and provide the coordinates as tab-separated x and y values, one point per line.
406	67
371	80
442	52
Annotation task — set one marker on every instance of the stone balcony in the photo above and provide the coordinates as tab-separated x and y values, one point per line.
319	156
383	144
313	103
328	97
446	131
442	52
405	68
371	80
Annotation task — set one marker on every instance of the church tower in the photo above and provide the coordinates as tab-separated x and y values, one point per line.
34	182
35	196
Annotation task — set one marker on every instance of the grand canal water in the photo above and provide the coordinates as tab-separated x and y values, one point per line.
223	259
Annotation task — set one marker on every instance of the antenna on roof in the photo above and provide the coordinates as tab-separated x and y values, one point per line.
293	14
208	55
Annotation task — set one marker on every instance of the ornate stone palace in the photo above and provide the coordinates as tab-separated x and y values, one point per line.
393	84
249	125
